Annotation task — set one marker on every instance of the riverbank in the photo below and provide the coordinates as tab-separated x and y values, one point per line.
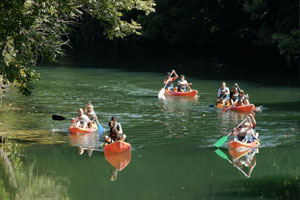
210	63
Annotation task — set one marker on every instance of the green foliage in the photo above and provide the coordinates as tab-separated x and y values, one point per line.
288	44
33	30
238	23
256	8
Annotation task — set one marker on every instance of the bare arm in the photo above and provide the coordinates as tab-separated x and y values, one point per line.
176	75
253	120
85	109
252	167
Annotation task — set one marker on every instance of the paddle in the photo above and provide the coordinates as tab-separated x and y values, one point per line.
221	141
228	108
238	88
161	94
58	117
224	156
100	128
258	109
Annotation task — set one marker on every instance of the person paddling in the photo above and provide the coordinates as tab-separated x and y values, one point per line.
82	120
234	99
89	111
116	132
183	84
246	132
243	99
223	94
169	79
234	88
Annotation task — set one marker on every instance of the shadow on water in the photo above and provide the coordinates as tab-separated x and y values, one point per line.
275	187
190	61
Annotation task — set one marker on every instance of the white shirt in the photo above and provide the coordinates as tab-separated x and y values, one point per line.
226	91
92	115
184	82
83	118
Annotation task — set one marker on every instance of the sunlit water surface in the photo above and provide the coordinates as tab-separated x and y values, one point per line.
173	141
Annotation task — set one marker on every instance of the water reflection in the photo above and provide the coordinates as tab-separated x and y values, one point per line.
19	178
86	142
241	159
175	104
118	161
244	159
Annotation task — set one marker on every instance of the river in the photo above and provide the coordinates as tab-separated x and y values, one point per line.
173	152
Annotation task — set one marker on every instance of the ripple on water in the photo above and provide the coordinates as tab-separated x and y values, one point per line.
146	120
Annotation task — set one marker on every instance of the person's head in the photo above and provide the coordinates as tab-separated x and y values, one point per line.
182	77
223	85
113	120
242	93
234	90
110	124
235	85
80	111
247	124
90	108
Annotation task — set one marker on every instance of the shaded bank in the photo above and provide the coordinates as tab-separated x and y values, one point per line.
251	64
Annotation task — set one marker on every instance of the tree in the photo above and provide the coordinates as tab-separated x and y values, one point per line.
31	30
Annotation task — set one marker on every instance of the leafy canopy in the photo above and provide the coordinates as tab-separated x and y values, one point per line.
31	30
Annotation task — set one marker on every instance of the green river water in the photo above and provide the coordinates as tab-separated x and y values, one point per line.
173	152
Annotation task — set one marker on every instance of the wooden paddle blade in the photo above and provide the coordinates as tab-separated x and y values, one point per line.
161	93
57	117
221	141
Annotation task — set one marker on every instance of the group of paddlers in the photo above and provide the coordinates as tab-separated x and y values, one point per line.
245	132
182	84
235	96
87	118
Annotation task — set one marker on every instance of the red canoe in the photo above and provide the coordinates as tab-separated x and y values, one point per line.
191	93
118	160
74	130
247	108
237	144
117	147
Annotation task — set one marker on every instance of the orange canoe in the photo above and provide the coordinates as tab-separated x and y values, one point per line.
75	130
118	160
191	93
237	144
117	147
247	108
238	154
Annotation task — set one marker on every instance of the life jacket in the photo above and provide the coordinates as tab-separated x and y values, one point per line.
114	132
235	96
